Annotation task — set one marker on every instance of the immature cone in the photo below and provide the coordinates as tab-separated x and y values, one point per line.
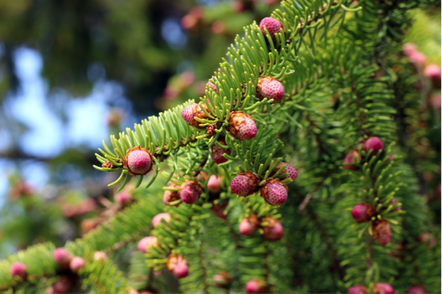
146	242
359	289
432	71
212	85
157	219
245	184
290	170
171	196
375	144
424	239
249	225
256	286
242	126
273	231
363	212
383	288
394	202
76	264
350	158
409	48
190	192
215	184
138	161
273	26
274	192
417	58
381	232
62	257
191	112
270	88
222	280
178	266
217	152
100	255
218	209
62	286
19	269
124	198
416	290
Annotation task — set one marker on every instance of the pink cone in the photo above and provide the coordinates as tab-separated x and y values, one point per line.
274	192
76	264
359	289
363	212
375	144
215	184
146	242
242	126
350	158
19	269
273	26
383	288
245	184
157	219
249	225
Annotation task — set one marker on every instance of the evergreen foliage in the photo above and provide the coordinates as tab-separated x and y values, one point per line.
338	62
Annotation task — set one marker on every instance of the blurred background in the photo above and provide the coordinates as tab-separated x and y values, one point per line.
73	72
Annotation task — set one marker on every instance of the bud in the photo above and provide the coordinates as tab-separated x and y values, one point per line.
218	209
193	111
381	232
242	126
363	212
100	255
178	266
256	286
249	225
383	288
217	152
171	196
190	192
416	290
409	48
359	289
212	85
63	286
290	170
272	25
351	158
273	231
245	184
62	257
417	59
76	264
427	238
394	202
124	198
432	71
157	219
222	280
215	184
138	161
270	88
146	242
375	144
19	269
274	192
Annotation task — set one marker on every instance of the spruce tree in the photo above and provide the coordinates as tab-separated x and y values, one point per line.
297	172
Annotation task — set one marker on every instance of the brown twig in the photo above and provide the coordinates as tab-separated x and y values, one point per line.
309	195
